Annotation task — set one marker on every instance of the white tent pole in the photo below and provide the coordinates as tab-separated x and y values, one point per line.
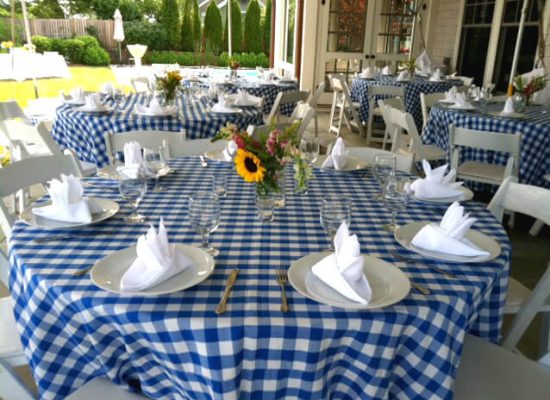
29	40
518	46
229	31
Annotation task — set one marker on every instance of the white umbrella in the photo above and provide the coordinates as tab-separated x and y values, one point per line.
229	30
29	41
118	35
518	45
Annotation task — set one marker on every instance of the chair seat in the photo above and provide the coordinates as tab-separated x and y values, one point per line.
88	169
432	152
481	171
488	371
102	388
517	295
356	105
377	111
10	345
11	386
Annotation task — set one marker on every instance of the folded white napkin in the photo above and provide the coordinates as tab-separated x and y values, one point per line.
460	101
448	236
423	61
154	108
450	95
243	98
223	107
93	103
367	73
508	106
107	88
338	157
132	154
436	184
436	75
230	150
403	76
343	269
77	94
156	261
386	70
68	205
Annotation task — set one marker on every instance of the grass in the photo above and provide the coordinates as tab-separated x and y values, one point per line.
88	78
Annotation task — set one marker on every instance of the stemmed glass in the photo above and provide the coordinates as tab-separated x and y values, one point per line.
334	211
204	215
396	196
118	97
384	165
132	186
155	160
309	149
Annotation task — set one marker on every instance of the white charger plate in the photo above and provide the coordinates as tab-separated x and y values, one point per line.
513	115
166	112
406	233
216	155
466	195
109	207
464	108
352	165
110	172
73	102
388	283
108	272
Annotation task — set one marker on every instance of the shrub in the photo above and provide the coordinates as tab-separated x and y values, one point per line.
247	60
88	40
170	18
213	28
131	10
92	31
252	28
266	28
172	57
197	28
236	28
42	43
151	34
187	33
73	49
95	55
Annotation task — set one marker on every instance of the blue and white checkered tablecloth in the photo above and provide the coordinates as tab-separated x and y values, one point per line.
83	132
413	88
175	347
535	137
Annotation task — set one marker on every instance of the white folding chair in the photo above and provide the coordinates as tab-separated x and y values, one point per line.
197	147
488	371
394	102
537	226
304	113
101	388
427	100
403	162
406	138
478	171
10	109
376	92
467	81
282	99
147	139
343	107
314	102
140	84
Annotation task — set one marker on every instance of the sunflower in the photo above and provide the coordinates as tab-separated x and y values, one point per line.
249	167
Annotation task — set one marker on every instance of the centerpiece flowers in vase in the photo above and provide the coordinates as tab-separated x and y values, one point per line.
5	156
169	85
261	158
410	66
525	89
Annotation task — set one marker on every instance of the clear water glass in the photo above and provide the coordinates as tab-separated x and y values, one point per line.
119	97
384	165
396	196
155	160
334	211
265	205
309	148
132	186
204	216
219	183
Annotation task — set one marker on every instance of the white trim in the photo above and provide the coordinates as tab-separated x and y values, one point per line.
456	49
492	48
308	76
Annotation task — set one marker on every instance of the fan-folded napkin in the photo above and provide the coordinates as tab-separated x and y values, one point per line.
386	70
154	108
508	106
367	73
448	236
450	95
222	107
338	157
68	205
107	88
93	103
77	94
157	260
436	76
436	184
343	269
403	76
243	98
132	155
460	101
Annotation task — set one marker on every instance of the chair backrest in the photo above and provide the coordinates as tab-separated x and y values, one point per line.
340	86
147	139
405	122
22	174
386	90
393	102
404	162
140	84
257	130
485	140
286	98
305	119
31	136
197	147
467	81
10	109
427	100
314	98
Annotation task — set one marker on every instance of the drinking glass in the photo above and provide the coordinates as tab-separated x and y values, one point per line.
132	185
155	160
334	211
485	96
265	205
396	197
309	147
219	182
119	97
384	164
204	216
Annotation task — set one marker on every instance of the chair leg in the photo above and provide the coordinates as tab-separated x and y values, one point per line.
536	228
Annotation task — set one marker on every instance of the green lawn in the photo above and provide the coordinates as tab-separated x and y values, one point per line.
88	78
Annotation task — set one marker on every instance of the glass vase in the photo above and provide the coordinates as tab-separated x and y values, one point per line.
233	74
520	101
279	196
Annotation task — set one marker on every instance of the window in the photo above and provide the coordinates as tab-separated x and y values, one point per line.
290	21
346	31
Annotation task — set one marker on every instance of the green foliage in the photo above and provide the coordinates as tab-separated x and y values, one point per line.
151	34
131	10
187	33
266	28
170	18
247	60
236	28
79	50
197	28
47	9
73	49
88	40
213	28
95	55
5	31
252	28
104	9
172	57
92	31
42	43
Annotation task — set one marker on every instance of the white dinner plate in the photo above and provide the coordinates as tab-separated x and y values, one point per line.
110	172
94	110
166	112
232	111
444	101
352	165
466	195
388	283
108	272
109	208
72	102
406	233
216	155
464	108
513	115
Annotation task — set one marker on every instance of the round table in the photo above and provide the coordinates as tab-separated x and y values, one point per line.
413	88
174	346
534	160
84	132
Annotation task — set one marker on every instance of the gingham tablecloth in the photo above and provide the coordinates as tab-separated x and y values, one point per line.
534	160
175	347
413	88
84	132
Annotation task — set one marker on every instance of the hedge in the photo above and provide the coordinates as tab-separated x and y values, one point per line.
213	28
236	28
170	20
187	33
151	34
248	60
172	57
197	26
266	28
253	28
78	50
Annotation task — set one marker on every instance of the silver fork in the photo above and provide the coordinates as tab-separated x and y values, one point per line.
282	279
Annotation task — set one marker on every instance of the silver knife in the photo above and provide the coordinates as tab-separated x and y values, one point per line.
228	286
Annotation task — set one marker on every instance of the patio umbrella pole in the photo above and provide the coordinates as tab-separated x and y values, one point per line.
518	45
29	41
229	30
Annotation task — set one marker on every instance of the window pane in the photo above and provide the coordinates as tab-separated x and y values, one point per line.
347	26
291	25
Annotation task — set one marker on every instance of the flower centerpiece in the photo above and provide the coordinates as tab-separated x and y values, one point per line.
409	65
526	88
6	46
5	156
234	65
261	159
169	84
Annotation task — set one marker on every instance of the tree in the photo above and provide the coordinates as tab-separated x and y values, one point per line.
197	28
131	10
252	28
187	34
266	28
47	9
104	9
170	18
213	28
236	28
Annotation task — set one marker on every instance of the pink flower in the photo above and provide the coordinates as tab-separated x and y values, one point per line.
239	141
